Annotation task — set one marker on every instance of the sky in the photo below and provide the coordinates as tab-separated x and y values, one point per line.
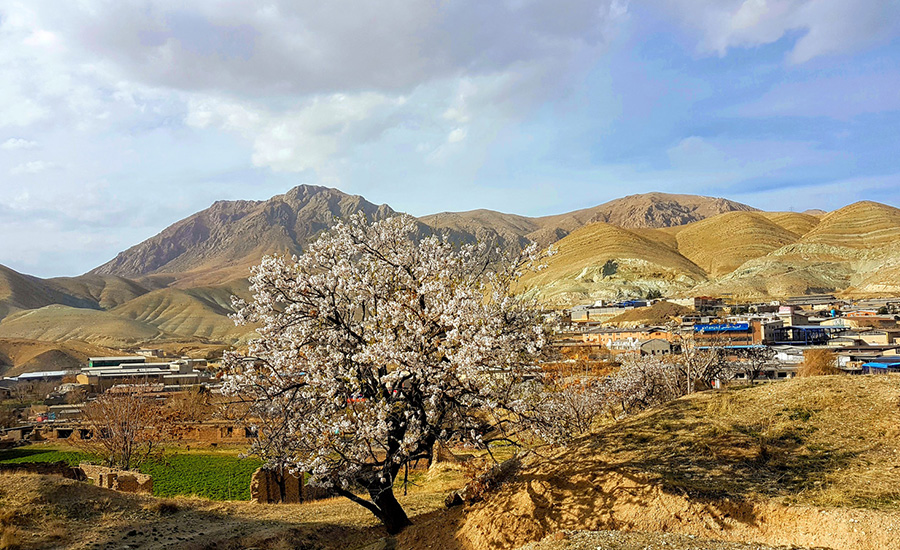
120	117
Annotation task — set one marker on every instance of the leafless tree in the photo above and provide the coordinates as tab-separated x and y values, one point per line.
126	429
753	361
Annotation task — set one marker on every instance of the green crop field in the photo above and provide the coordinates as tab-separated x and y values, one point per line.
216	476
212	476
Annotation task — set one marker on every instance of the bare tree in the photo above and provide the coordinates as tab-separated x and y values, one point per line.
703	360
753	361
374	345
126	429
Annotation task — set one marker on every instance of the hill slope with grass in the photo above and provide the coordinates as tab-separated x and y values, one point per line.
808	462
605	261
57	323
191	313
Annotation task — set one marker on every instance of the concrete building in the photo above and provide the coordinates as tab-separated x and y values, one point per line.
656	346
174	373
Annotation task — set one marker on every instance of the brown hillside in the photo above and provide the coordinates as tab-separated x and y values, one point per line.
806	462
57	323
484	225
862	225
220	243
722	243
191	313
19	356
601	260
794	222
106	291
659	313
650	210
19	292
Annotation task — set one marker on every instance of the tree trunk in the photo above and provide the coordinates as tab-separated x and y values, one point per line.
390	512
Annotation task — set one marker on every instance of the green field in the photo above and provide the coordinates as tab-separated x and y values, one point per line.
216	476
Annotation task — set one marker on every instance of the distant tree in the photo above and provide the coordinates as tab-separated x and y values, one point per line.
818	362
753	361
702	362
654	294
126	429
883	310
643	382
374	345
193	405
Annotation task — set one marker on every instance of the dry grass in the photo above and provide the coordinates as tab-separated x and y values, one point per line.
788	463
44	511
818	362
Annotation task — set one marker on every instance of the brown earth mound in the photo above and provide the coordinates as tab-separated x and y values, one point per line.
807	462
18	356
659	313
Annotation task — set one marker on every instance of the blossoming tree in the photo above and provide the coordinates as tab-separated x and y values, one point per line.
374	345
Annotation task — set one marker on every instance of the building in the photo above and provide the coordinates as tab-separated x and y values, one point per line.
881	366
753	332
656	346
115	361
625	339
175	373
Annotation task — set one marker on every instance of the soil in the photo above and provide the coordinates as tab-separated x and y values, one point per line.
618	540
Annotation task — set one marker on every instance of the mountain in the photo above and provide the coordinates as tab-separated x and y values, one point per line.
221	243
649	210
176	286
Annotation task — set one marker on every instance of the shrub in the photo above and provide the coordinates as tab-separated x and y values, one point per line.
818	362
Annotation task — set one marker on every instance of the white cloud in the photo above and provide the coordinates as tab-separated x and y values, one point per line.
18	143
457	135
826	26
304	138
32	167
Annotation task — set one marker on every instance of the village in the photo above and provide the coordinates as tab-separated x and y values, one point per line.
863	336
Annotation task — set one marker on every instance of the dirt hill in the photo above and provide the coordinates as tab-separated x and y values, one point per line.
605	261
658	314
20	292
854	250
721	244
18	356
191	313
807	462
57	323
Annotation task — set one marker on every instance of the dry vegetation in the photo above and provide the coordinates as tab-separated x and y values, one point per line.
809	461
38	512
818	362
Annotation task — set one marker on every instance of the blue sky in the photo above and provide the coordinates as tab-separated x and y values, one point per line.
119	118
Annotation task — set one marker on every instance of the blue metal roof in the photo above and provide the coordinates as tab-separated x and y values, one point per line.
882	365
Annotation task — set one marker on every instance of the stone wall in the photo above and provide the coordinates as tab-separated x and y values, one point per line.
265	488
118	480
